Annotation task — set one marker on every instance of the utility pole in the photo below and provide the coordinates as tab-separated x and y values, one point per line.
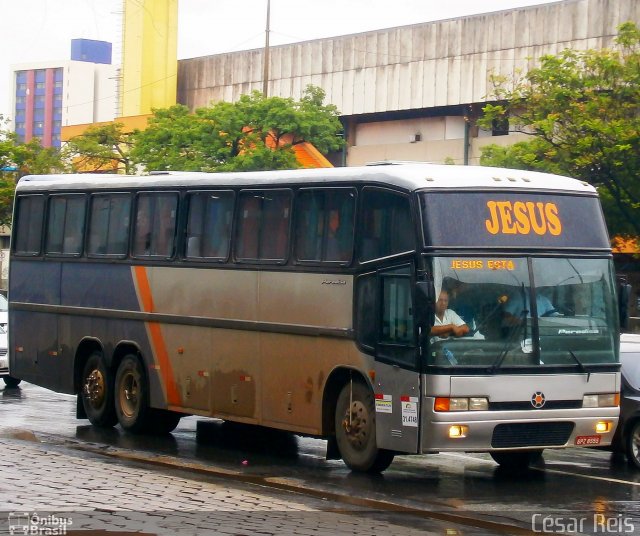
265	73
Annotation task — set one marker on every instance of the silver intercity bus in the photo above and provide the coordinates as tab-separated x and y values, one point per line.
405	309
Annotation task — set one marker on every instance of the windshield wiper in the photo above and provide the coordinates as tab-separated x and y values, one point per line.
581	365
507	344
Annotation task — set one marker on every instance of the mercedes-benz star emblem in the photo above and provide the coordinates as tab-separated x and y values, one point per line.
538	400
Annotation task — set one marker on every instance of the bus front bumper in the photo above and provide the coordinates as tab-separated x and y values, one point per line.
486	431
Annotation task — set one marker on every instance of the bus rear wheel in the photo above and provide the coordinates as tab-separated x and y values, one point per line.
11	382
132	396
164	421
97	392
355	425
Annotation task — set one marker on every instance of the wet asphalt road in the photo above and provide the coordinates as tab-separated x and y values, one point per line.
574	490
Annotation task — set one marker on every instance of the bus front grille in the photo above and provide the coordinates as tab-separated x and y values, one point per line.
520	406
537	434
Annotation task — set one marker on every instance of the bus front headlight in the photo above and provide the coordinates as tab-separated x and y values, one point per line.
476	403
605	400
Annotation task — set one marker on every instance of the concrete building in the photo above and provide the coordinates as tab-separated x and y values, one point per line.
149	59
52	94
412	92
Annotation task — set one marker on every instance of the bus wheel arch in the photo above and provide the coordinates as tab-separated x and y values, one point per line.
336	380
95	386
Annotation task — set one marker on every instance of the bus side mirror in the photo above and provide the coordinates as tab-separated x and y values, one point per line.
425	303
624	293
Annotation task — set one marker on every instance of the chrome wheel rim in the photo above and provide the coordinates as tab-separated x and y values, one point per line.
356	425
130	394
635	443
95	388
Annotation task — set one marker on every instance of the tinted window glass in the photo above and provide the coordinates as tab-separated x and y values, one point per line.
109	224
65	225
209	228
28	235
366	310
397	320
386	225
263	225
155	227
324	225
397	334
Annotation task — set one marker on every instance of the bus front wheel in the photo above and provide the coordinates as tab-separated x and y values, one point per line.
516	460
356	430
132	396
97	392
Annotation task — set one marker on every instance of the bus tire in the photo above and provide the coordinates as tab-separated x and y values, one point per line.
516	460
164	421
132	396
97	392
632	444
356	430
11	382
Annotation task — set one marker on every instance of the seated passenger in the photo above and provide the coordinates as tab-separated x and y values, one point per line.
447	321
515	310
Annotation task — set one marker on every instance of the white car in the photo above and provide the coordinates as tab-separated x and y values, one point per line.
9	381
4	312
627	435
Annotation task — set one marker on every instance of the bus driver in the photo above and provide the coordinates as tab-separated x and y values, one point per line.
447	321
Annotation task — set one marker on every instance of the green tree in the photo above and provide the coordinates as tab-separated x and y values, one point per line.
18	159
582	112
254	133
99	147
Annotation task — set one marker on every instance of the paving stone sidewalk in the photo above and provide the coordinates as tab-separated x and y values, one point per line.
48	489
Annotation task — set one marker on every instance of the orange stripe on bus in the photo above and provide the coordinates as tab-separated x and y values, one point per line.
157	340
144	289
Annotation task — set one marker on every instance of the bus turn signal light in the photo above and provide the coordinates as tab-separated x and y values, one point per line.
441	404
461	404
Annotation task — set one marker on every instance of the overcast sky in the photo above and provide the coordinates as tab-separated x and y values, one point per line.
41	30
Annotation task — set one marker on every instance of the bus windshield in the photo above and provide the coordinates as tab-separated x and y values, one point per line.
534	312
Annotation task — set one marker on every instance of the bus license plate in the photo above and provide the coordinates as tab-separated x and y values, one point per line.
588	440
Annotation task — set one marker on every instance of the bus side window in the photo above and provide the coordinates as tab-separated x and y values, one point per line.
65	225
384	316
155	228
30	215
397	317
263	225
325	225
276	214
248	226
109	224
366	310
209	227
386	225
